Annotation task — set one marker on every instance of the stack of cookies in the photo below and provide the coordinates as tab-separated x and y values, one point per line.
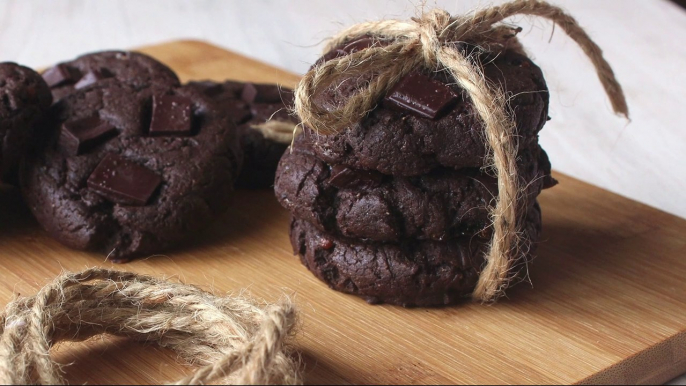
396	208
127	162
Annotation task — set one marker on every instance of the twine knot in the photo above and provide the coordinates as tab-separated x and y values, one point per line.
233	339
432	42
433	28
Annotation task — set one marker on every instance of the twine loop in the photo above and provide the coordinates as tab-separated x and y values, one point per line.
234	340
433	42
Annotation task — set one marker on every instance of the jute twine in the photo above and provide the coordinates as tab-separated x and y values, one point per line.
233	339
432	42
278	131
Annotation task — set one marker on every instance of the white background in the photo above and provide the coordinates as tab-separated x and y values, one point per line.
642	39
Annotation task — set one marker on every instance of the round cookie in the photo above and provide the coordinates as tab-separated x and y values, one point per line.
130	172
138	70
24	98
265	125
405	136
440	205
410	274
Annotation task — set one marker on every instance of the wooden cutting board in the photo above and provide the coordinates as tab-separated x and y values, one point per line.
608	302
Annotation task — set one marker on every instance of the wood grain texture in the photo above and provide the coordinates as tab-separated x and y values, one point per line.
608	302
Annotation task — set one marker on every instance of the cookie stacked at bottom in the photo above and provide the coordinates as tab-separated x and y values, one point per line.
396	208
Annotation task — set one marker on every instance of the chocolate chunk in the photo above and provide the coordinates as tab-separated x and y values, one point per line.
420	95
90	78
80	136
260	93
345	177
123	182
58	75
171	115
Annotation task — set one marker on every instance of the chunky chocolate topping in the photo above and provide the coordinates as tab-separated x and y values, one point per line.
123	182
92	77
171	115
59	75
81	136
421	96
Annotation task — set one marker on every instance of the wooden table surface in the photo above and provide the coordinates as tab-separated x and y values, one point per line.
643	160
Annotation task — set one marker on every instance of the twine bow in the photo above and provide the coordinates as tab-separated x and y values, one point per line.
432	42
236	341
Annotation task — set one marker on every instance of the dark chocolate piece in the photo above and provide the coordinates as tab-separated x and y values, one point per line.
171	115
123	182
80	136
260	93
90	78
420	95
345	177
58	75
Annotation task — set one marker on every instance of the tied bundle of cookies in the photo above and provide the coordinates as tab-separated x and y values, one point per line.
127	162
415	180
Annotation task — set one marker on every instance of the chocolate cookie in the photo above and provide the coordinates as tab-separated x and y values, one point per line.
439	205
131	172
427	121
24	98
136	69
410	273
265	125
